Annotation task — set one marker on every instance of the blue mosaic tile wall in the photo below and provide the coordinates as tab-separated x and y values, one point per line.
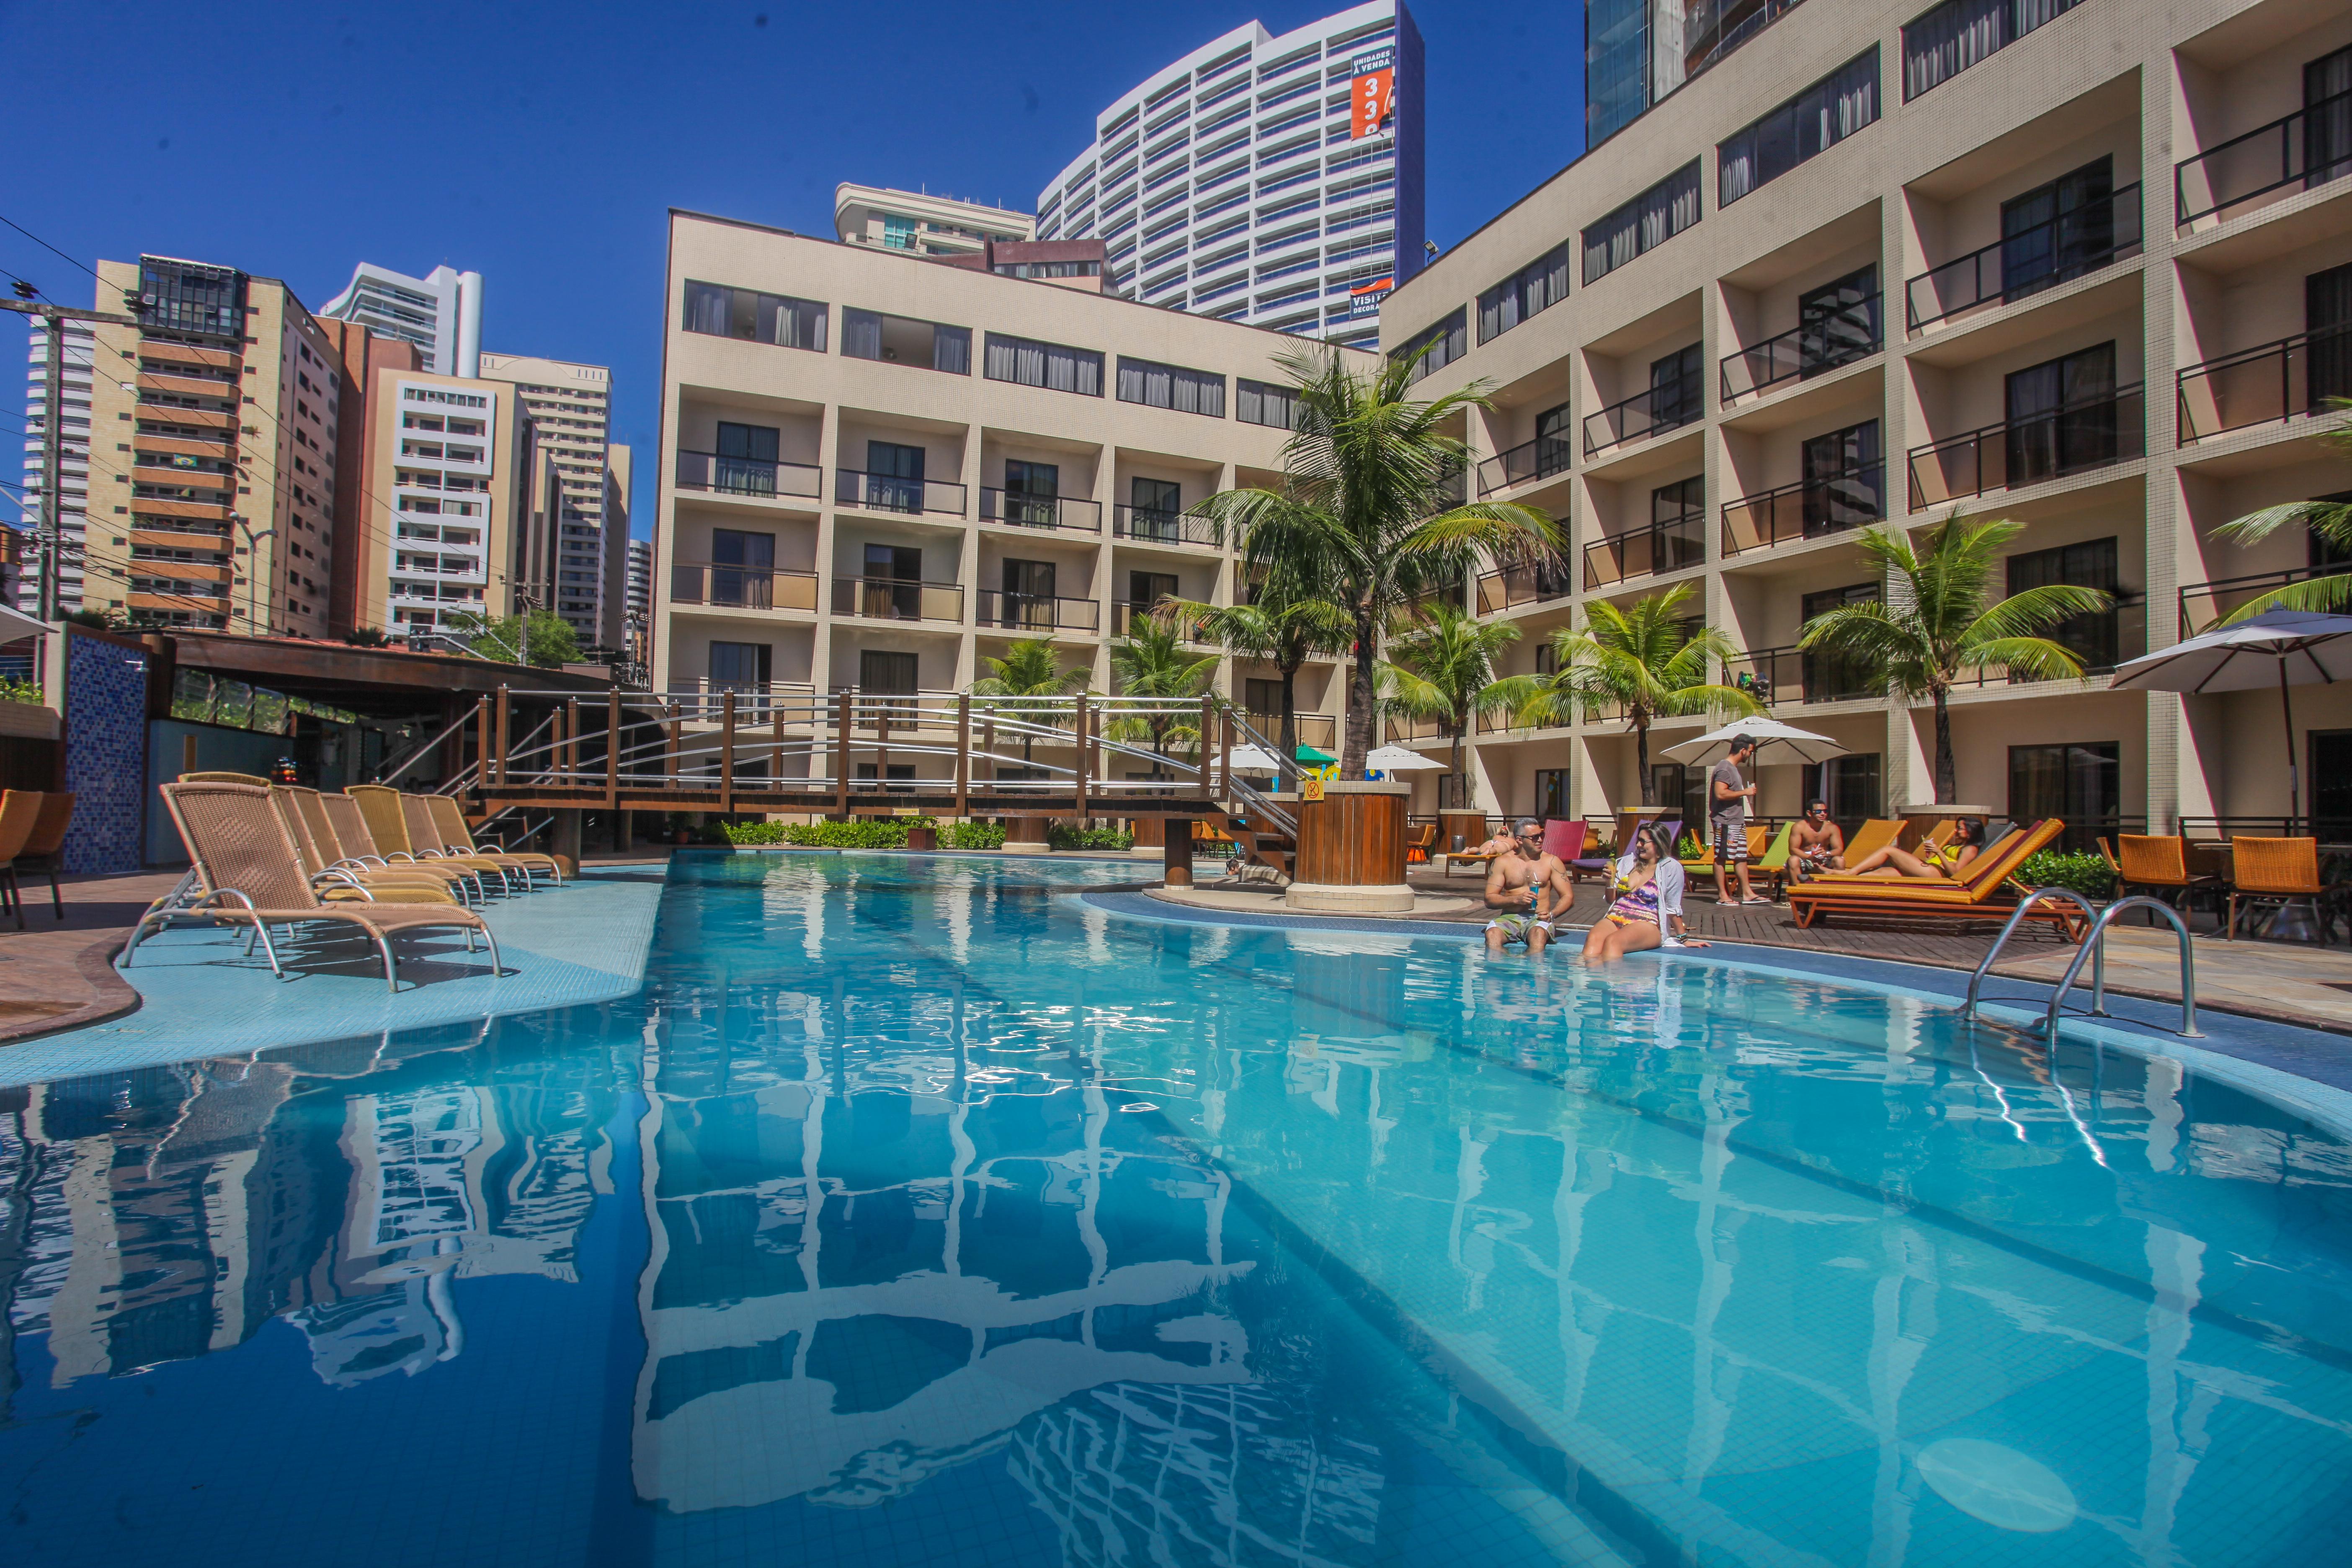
106	753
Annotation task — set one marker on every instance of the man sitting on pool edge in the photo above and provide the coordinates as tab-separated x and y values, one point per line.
1516	886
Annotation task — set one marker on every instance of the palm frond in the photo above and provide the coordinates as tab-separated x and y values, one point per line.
2319	596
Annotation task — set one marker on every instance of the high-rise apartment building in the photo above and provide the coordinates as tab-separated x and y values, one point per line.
880	470
73	469
637	615
2087	268
1276	181
210	455
1638	51
612	621
570	407
449	500
440	313
923	225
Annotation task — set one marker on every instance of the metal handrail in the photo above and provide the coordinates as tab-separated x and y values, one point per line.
2094	947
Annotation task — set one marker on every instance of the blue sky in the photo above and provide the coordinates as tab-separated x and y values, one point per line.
540	143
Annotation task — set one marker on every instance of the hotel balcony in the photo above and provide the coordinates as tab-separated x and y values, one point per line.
2295	152
2266	385
1124	614
886	492
1515	585
2094	434
894	599
2016	266
1777	676
1653	411
1843	336
743	587
1320	731
2203	604
1014	509
748	476
1669	546
1034	612
1536	459
1809	508
1152	525
703	699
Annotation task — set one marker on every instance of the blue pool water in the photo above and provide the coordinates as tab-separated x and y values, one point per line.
920	1211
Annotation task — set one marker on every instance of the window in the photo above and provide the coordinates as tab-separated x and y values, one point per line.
1048	269
1537	286
890	674
1834	677
1850	784
1817	118
2094	638
1953	36
757	318
1172	386
740	666
2080	782
1551	793
1053	366
1643	224
1256	403
746	459
1841	478
900	340
897	233
2058	231
1435	347
2062	415
1678	394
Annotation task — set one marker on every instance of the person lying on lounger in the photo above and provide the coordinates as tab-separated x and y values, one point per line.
1967	838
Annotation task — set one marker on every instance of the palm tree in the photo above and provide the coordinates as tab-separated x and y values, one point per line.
1645	658
1283	625
1947	620
2330	521
1151	662
1365	514
1029	671
1442	667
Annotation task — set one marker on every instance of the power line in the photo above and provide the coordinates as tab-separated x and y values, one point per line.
44	244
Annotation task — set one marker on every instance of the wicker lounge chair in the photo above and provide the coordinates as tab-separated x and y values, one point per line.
341	880
1980	891
449	823
20	814
388	824
46	850
251	872
2282	873
348	824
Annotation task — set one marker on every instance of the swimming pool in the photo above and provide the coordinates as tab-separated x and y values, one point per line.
922	1211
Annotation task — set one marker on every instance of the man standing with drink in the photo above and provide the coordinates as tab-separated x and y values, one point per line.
1727	794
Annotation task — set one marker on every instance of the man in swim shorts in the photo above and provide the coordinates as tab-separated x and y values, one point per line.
1528	888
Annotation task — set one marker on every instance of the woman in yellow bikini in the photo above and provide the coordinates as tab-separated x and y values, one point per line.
1967	838
1645	902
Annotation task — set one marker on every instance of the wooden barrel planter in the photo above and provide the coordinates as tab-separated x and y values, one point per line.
1470	826
1351	850
1026	835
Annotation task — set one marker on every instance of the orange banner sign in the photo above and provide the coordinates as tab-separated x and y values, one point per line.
1375	100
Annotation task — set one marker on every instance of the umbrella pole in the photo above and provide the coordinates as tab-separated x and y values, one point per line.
2294	783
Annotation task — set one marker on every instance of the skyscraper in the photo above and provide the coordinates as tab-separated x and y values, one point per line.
441	313
73	467
570	406
1276	181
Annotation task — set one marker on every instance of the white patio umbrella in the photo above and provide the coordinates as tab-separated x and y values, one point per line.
1397	760
1253	760
2281	648
1766	733
14	624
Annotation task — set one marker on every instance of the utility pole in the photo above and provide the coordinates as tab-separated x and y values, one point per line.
51	536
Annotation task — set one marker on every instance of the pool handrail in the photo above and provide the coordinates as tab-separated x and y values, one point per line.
2016	917
2093	947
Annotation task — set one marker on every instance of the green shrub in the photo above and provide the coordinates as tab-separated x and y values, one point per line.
753	832
14	690
2087	874
972	836
865	833
1063	835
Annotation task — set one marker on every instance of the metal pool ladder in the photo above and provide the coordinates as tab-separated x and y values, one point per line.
2094	948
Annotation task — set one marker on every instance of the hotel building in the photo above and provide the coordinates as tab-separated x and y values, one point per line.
880	470
2086	267
1276	181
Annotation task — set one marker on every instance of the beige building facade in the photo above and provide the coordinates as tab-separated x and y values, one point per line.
213	452
879	471
1881	265
922	225
570	408
452	463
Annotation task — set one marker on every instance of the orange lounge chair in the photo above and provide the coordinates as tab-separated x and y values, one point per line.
1417	848
1980	891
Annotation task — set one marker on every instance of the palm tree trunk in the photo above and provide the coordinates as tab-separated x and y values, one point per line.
1363	687
1948	782
1288	738
1642	759
1463	800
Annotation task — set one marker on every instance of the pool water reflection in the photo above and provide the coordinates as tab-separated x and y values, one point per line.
917	1213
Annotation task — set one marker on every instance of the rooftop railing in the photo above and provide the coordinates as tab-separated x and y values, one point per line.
1806	510
2265	385
2095	433
2018	265
2298	151
1843	337
747	476
1016	510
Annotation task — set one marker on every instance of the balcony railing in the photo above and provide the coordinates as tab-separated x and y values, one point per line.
2098	433
1779	675
884	492
1645	552
2203	604
2059	250
1400	729
891	599
747	476
1015	510
1806	510
740	587
1651	411
1851	332
1523	585
1536	459
1152	525
1320	731
1037	612
2265	385
2302	150
704	698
